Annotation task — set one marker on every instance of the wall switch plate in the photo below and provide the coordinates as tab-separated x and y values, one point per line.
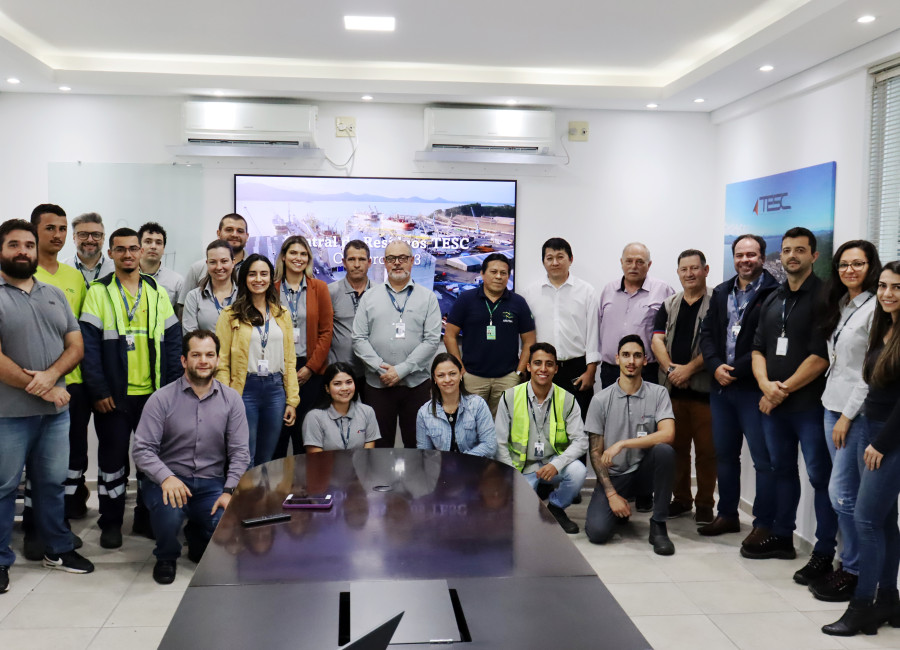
578	131
345	127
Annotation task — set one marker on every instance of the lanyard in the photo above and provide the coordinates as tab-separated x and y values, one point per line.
264	337
137	301
400	309
293	298
784	318
491	311
542	425
97	270
837	334
344	438
739	310
218	306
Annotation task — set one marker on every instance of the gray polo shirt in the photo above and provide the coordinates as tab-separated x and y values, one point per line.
375	328
616	416
171	281
103	268
200	311
329	430
33	327
344	301
184	435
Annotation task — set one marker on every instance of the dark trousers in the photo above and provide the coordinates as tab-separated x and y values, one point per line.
609	373
114	431
167	521
693	424
570	370
653	474
310	394
397	403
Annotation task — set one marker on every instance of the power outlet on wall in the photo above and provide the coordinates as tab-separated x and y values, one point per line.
578	131
345	127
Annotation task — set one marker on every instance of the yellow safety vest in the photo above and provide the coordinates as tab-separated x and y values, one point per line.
520	424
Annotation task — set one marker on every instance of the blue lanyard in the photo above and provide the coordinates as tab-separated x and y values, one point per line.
264	337
293	298
218	306
344	438
97	270
407	291
837	334
130	311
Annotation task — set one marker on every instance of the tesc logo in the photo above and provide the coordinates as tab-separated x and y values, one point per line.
771	203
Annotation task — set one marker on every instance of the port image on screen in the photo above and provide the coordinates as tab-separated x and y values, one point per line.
451	225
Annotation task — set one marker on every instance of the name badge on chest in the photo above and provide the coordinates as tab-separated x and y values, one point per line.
491	332
735	330
539	449
642	430
781	346
262	367
400	330
129	343
296	335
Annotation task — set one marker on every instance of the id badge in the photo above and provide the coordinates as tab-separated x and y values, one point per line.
129	342
539	449
781	346
735	330
642	430
262	367
296	335
400	330
491	332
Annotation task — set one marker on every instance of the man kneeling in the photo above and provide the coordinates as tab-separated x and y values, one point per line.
631	426
191	430
540	433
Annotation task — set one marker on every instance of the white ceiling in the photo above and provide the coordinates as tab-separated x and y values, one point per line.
570	53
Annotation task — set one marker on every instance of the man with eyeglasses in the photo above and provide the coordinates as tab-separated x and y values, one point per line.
233	229
133	347
396	333
88	235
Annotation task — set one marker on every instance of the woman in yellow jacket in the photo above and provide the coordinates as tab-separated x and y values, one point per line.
257	356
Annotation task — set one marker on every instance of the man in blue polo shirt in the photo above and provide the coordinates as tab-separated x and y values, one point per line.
491	319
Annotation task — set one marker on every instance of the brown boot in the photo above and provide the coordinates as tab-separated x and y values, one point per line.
756	536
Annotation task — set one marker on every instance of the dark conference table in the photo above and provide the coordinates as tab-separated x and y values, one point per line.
399	515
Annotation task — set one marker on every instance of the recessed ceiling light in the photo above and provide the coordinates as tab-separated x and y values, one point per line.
12	80
370	23
766	68
511	102
699	100
367	98
65	89
865	19
652	105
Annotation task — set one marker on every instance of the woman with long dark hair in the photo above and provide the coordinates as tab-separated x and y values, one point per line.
217	291
309	306
453	419
875	600
257	356
340	421
847	321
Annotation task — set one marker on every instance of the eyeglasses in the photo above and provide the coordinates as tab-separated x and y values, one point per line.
121	250
403	259
857	265
84	236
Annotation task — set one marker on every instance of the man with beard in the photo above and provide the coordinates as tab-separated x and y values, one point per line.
396	333
131	340
39	343
88	235
192	446
153	243
233	229
790	356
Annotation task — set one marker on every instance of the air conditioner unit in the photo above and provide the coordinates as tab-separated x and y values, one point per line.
490	129
248	123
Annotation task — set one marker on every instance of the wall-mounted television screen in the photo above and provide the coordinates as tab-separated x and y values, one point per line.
451	225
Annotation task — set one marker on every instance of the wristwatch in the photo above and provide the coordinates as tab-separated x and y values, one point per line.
670	369
228	490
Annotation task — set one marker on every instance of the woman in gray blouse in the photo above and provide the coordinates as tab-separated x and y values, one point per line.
341	421
217	291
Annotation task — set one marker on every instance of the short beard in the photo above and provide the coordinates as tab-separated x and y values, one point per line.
88	256
129	271
197	379
18	270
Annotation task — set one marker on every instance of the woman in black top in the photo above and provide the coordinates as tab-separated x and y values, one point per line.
876	504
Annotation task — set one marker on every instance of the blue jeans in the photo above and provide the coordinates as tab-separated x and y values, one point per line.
876	520
264	401
568	482
40	444
844	485
167	521
735	416
784	430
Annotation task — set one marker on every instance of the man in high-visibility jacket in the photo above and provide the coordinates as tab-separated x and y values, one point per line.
540	433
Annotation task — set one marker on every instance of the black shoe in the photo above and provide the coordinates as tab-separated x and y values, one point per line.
577	499
659	538
861	616
704	515
164	572
560	515
194	555
888	603
772	546
77	542
70	561
836	587
4	579
676	509
34	548
720	526
644	503
111	537
543	490
817	568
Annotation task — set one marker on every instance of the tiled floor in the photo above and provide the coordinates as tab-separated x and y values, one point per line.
705	596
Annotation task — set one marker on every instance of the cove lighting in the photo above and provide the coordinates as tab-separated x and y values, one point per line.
865	19
12	80
766	68
65	89
370	23
652	105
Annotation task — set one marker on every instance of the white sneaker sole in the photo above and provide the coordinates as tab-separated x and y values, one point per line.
58	564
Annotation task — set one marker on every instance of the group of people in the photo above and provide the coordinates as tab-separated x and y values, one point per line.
244	359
